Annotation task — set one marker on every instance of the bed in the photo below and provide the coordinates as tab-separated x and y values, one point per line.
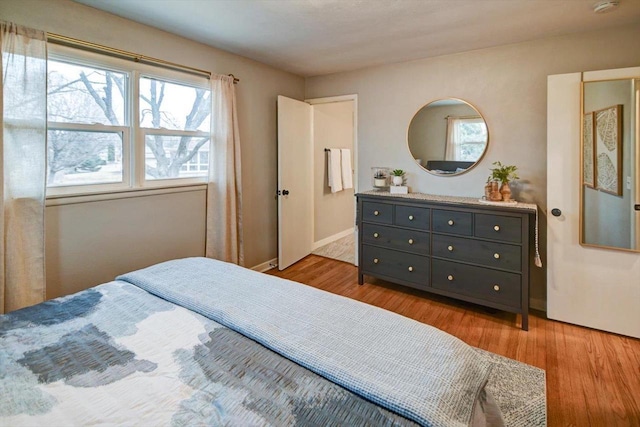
448	166
202	342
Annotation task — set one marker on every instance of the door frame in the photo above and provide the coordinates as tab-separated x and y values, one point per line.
344	98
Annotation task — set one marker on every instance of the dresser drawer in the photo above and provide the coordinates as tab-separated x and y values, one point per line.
377	212
389	263
490	254
452	222
482	283
396	238
496	227
409	216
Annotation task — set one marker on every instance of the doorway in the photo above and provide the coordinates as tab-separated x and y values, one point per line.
331	233
334	126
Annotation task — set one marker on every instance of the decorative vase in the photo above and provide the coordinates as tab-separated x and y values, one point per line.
397	180
495	193
505	190
487	191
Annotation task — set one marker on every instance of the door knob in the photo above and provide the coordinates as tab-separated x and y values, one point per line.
285	192
556	212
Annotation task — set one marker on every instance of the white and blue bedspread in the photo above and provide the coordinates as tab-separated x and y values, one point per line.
216	345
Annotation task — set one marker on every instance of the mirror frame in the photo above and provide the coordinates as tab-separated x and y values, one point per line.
636	135
470	167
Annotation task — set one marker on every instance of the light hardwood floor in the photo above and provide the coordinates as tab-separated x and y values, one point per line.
593	377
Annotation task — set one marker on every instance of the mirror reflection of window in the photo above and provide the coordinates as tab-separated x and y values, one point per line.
466	138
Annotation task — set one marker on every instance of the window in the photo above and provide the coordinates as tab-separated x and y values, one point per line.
466	138
116	124
177	134
88	125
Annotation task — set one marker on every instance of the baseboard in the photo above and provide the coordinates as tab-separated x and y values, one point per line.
265	266
331	239
538	304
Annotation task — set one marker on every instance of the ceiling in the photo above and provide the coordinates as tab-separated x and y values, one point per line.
316	37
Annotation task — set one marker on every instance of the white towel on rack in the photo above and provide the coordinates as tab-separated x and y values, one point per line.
347	172
334	172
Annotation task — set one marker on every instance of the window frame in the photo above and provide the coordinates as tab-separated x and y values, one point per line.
460	121
169	77
133	134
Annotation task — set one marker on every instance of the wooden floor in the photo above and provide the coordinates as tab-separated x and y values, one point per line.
593	377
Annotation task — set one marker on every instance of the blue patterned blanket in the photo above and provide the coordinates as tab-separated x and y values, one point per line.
415	370
222	345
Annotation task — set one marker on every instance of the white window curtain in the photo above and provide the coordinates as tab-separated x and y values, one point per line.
23	159
224	194
453	139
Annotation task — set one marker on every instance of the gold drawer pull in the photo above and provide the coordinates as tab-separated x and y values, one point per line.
496	227
450	222
375	235
410	217
450	248
376	260
496	288
496	255
450	277
376	213
410	269
411	241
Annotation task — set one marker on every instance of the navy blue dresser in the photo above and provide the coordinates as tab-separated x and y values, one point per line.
448	246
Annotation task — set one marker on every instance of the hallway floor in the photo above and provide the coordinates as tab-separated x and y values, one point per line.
342	249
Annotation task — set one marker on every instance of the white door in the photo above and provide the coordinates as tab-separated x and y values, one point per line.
295	181
588	286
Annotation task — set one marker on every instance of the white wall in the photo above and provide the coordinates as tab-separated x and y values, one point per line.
89	243
332	128
507	84
259	86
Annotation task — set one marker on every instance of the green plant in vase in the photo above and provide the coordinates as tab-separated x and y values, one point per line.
398	176
504	174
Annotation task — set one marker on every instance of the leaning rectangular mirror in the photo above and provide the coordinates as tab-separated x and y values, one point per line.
610	153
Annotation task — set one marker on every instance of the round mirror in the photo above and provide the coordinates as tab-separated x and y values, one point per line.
447	137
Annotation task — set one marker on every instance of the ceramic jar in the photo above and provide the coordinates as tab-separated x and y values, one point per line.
495	196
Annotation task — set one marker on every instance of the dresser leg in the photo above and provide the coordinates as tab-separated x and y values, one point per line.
360	279
525	321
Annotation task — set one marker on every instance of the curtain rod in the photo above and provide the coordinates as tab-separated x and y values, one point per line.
69	41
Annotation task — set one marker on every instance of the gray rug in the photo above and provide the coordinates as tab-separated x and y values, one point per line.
520	391
342	249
